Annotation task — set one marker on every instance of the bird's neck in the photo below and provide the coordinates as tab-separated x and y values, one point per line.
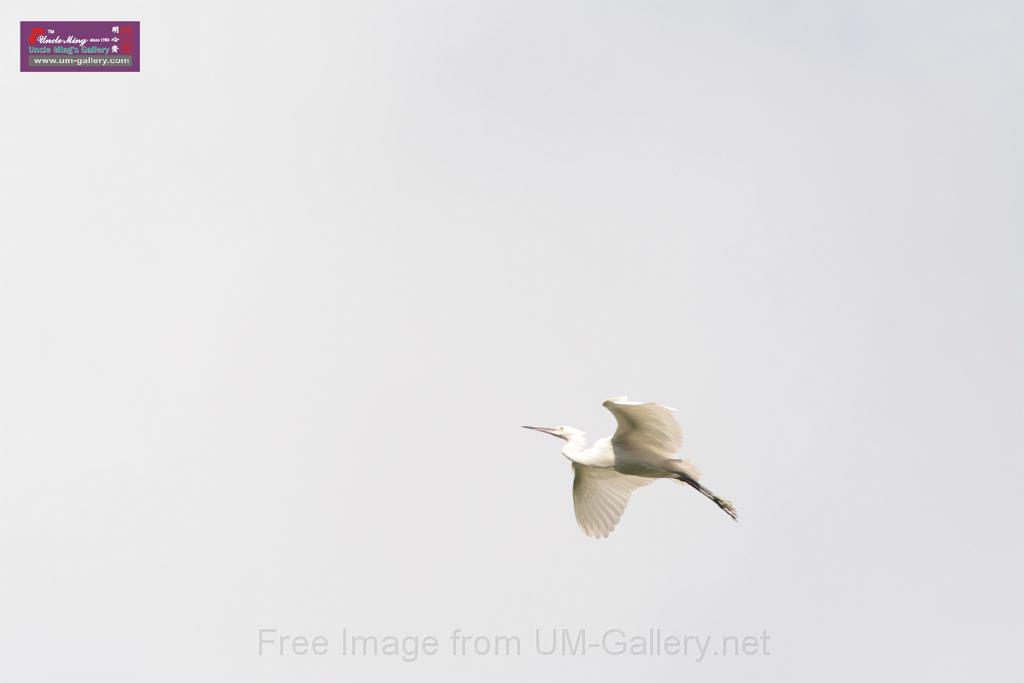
576	449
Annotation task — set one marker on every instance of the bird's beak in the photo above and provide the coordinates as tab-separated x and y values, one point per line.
546	430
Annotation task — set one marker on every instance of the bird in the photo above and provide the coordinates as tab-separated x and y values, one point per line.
642	449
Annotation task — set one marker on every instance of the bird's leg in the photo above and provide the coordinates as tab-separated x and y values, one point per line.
726	506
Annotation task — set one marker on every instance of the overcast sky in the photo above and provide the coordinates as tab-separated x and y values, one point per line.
273	309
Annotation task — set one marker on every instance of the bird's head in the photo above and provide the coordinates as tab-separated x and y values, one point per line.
564	433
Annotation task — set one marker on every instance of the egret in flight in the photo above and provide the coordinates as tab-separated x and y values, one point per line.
642	449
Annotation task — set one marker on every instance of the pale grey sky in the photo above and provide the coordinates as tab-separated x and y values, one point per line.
274	308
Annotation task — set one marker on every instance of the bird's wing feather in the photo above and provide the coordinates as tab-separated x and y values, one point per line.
599	497
645	428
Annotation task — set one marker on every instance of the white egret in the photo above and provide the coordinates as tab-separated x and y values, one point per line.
642	449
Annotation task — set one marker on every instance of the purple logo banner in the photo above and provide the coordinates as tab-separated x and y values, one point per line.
79	46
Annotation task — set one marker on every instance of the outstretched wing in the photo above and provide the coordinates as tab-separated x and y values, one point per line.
599	497
645	428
